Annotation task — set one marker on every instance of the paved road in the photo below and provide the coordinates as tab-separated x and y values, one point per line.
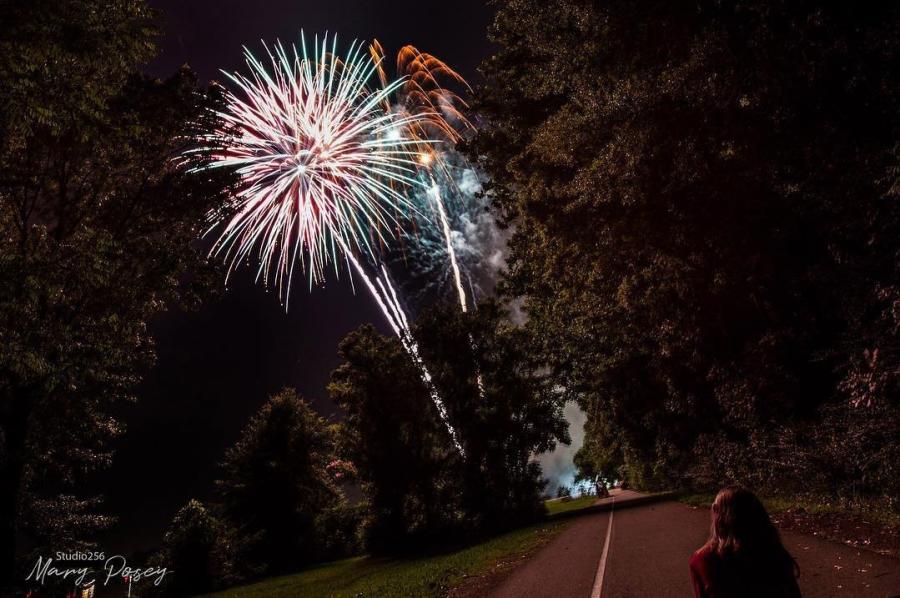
648	550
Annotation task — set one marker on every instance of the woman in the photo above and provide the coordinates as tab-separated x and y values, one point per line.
744	556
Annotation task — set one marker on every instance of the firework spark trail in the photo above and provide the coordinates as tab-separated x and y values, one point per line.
413	349
386	298
477	240
460	289
423	94
445	224
321	162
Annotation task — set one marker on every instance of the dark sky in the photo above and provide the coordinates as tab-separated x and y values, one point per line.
216	367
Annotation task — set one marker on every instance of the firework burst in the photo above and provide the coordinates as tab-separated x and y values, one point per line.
323	165
477	241
439	110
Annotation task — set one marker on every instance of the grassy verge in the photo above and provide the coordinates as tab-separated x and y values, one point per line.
562	505
427	576
860	525
777	505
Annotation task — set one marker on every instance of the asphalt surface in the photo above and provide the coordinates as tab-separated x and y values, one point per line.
648	551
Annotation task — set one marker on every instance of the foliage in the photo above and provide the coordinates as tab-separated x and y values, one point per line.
599	460
420	491
567	505
503	405
196	552
275	488
398	447
705	202
97	233
338	530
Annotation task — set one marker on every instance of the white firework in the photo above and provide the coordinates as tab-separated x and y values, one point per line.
322	164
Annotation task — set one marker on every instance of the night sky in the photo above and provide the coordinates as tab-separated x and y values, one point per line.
216	367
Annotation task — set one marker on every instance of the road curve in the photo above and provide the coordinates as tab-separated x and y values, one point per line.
648	552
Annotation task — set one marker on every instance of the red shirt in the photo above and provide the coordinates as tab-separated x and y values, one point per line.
717	577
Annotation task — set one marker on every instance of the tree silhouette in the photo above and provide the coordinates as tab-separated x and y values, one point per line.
275	485
97	231
705	202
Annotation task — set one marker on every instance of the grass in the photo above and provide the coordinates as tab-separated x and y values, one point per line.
696	500
779	504
561	505
426	576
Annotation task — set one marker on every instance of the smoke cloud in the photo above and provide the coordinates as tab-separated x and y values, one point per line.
478	241
480	245
558	465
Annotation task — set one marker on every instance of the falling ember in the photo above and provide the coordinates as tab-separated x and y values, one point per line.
445	226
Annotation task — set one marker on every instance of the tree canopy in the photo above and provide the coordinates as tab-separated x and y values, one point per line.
275	485
420	489
98	229
706	208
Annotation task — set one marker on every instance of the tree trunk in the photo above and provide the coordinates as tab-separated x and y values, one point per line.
14	424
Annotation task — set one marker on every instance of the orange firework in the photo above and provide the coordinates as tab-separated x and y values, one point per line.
439	110
430	112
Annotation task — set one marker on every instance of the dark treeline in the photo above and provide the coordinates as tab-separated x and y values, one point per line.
419	486
706	206
280	503
97	234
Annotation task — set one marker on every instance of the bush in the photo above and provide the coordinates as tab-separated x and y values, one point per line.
275	485
197	552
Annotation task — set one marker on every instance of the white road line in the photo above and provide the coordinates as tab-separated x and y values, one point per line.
601	568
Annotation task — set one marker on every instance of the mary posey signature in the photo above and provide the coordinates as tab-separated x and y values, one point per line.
114	567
